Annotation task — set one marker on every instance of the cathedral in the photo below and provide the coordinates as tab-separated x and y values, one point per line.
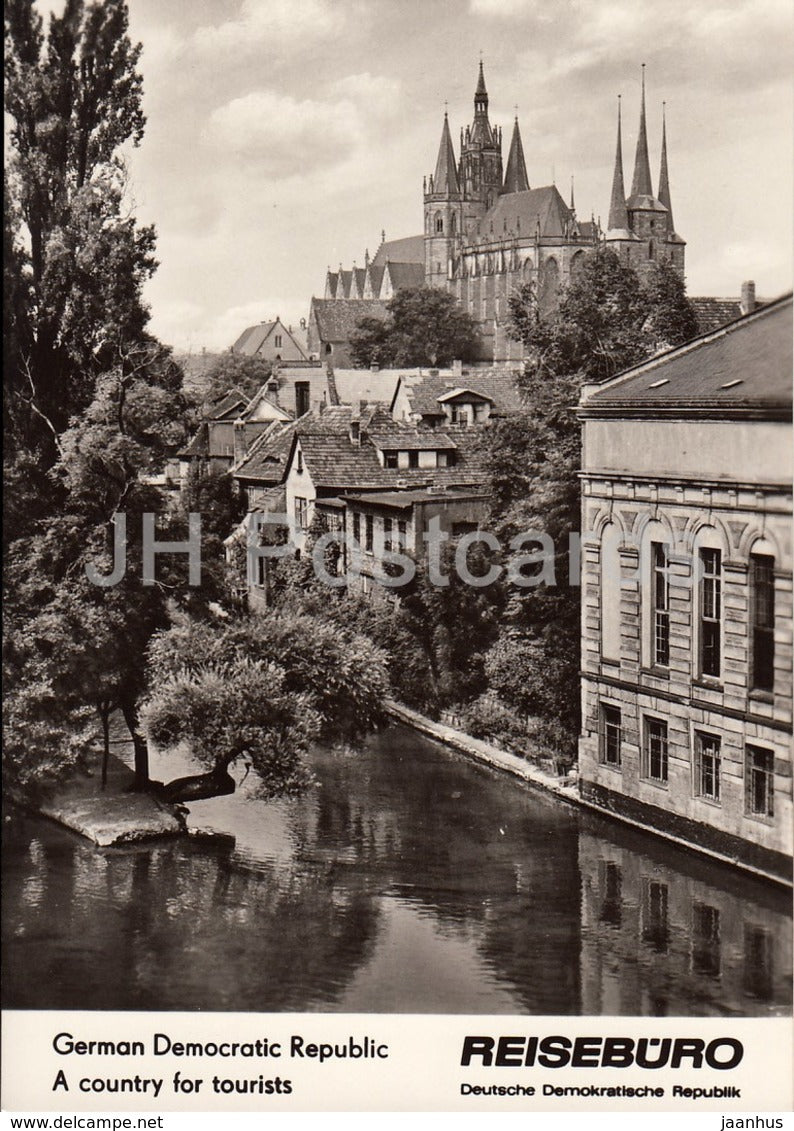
487	231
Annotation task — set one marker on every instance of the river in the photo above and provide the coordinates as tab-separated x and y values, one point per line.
405	880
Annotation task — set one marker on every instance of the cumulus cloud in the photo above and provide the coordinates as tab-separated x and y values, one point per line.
283	24
283	135
503	9
374	95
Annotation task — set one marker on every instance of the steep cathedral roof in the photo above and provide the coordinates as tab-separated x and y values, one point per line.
539	210
411	249
481	132
516	179
641	182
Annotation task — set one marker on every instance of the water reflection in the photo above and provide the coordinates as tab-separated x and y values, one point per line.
405	880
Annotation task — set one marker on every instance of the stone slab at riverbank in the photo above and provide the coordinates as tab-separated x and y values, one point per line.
114	815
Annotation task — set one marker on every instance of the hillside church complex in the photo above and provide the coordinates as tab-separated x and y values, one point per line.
487	231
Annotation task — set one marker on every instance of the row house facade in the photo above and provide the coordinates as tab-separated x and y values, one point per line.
687	593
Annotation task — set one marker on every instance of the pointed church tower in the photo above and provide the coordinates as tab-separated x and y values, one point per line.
516	179
664	179
618	235
481	156
443	213
641	182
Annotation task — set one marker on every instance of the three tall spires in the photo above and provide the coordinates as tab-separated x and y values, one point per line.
641	184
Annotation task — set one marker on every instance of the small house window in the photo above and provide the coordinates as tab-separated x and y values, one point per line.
369	526
762	612
610	735
390	460
760	782
654	754
413	459
710	611
707	766
660	645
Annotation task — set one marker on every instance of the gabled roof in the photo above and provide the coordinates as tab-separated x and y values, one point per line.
497	386
406	275
516	179
265	461
445	178
375	279
335	463
525	211
742	369
253	338
199	445
411	249
354	385
459	392
229	405
338	318
711	313
427	440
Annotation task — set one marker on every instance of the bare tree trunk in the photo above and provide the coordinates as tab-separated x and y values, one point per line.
130	713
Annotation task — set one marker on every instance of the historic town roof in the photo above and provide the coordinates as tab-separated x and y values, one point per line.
265	461
228	405
402	500
536	209
337	318
498	386
253	338
743	368
711	313
335	462
411	249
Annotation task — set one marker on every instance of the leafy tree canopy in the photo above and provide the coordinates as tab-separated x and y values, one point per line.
234	371
424	326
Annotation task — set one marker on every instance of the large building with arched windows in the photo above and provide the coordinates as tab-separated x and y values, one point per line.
687	592
487	231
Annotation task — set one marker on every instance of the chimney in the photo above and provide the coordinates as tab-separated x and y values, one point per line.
374	367
747	302
457	366
355	428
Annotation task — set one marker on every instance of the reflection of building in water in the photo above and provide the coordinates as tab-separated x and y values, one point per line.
687	590
659	940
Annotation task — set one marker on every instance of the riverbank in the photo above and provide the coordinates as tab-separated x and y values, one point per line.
113	815
567	789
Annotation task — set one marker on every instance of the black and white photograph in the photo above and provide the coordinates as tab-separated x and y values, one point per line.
398	517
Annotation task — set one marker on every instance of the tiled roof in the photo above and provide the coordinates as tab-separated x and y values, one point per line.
337	318
499	386
265	461
376	278
405	275
199	445
252	338
408	250
743	366
425	441
228	403
404	499
711	313
524	211
334	462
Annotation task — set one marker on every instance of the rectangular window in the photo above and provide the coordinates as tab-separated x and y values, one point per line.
369	533
710	611
760	781
357	528
387	533
390	460
706	940
654	754
302	513
762	618
413	459
402	533
655	929
660	647
610	737
707	766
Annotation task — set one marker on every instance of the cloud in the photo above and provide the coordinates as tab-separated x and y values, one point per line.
284	25
505	9
282	135
374	95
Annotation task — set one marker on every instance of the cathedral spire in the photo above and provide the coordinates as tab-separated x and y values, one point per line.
664	180
641	183
573	202
618	215
481	83
445	178
516	179
481	127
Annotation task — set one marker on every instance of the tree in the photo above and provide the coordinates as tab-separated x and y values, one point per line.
606	321
234	371
262	691
74	100
424	326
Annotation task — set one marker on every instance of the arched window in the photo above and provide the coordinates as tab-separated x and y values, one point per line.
577	263
453	223
328	347
650	249
610	591
550	284
439	222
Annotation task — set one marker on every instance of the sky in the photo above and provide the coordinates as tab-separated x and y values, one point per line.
284	136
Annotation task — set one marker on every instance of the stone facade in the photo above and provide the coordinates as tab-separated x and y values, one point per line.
687	594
